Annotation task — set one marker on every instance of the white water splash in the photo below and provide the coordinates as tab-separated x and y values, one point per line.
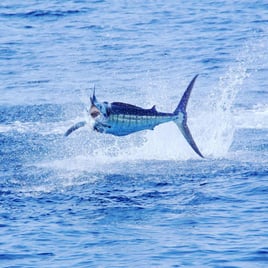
220	120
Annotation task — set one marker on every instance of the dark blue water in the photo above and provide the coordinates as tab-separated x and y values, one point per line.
145	200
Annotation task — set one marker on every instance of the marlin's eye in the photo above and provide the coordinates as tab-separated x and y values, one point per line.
94	114
94	111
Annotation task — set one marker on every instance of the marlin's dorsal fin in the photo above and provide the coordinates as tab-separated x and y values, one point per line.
93	99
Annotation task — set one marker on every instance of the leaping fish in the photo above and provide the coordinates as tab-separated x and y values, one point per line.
120	119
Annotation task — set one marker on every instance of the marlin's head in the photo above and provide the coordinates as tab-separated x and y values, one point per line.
98	116
98	110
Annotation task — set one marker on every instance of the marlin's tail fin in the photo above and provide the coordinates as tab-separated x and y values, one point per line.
74	127
181	121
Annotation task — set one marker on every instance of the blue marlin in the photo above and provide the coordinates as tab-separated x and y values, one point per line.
120	119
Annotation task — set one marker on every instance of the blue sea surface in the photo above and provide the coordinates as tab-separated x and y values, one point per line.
144	200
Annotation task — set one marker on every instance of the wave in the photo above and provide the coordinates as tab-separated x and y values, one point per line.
41	13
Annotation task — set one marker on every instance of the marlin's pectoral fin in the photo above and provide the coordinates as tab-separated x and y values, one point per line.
74	127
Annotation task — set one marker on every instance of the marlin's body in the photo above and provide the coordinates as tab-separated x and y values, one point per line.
124	119
121	119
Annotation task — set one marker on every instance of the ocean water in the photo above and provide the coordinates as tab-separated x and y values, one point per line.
145	200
